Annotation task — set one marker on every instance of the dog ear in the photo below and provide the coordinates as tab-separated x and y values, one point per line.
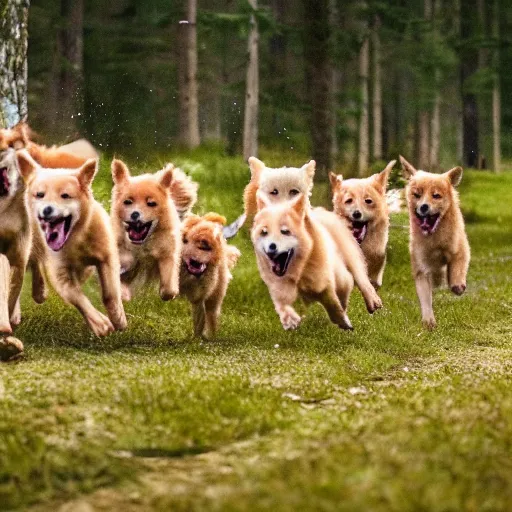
256	167
20	136
120	172
380	180
87	172
215	217
27	165
408	169
454	176
299	205
262	200
309	169
335	180
167	176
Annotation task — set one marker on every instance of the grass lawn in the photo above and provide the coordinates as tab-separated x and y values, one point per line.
388	417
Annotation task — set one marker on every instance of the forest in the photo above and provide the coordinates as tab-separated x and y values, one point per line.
349	83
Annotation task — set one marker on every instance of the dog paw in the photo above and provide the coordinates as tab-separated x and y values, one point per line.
126	294
458	289
429	323
100	324
120	323
10	349
345	323
290	319
5	328
373	303
168	293
16	316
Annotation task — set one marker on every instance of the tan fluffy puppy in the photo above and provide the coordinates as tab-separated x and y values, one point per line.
438	245
278	185
79	238
363	204
70	156
20	240
298	254
205	270
145	218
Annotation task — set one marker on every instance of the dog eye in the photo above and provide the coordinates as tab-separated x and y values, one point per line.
40	195
368	201
348	201
127	202
264	232
205	246
275	192
416	195
436	196
285	231
151	204
65	196
294	192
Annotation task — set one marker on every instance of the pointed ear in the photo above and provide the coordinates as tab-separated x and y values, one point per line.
20	135
120	172
309	169
262	200
87	172
27	165
190	221
215	217
335	180
256	166
380	180
167	176
454	176
408	169
299	205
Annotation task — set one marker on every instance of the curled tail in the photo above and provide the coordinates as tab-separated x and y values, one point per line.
183	192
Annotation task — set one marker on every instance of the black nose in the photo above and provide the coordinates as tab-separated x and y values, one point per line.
357	214
272	247
424	208
135	215
47	212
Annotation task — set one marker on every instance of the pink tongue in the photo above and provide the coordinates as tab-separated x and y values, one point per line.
424	223
55	236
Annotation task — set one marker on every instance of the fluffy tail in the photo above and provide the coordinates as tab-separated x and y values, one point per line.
183	192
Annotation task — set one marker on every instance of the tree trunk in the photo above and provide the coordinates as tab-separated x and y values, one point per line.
496	91
13	62
459	119
435	121
319	81
252	91
377	92
364	139
189	105
423	140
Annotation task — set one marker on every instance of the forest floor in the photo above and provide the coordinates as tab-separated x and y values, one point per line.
387	417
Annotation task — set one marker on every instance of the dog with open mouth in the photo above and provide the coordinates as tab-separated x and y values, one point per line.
79	239
299	253
20	240
206	263
438	242
363	204
145	215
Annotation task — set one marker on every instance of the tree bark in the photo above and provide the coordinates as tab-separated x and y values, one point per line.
252	90
377	91
496	91
435	121
423	135
317	35
459	130
364	139
13	62
188	102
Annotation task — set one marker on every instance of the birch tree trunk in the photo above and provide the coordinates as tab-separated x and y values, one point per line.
13	102
364	139
252	90
377	91
189	104
496	91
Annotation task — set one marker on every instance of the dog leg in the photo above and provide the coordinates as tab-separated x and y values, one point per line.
377	272
358	270
283	296
71	292
5	277
39	289
424	291
111	293
212	313
169	277
198	317
17	275
457	270
332	305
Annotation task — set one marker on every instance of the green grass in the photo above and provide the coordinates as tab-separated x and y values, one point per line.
388	417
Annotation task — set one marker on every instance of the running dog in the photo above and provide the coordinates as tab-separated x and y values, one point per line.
363	204
145	217
79	239
205	270
438	245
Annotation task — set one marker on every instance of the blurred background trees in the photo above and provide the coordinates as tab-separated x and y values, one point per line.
349	82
